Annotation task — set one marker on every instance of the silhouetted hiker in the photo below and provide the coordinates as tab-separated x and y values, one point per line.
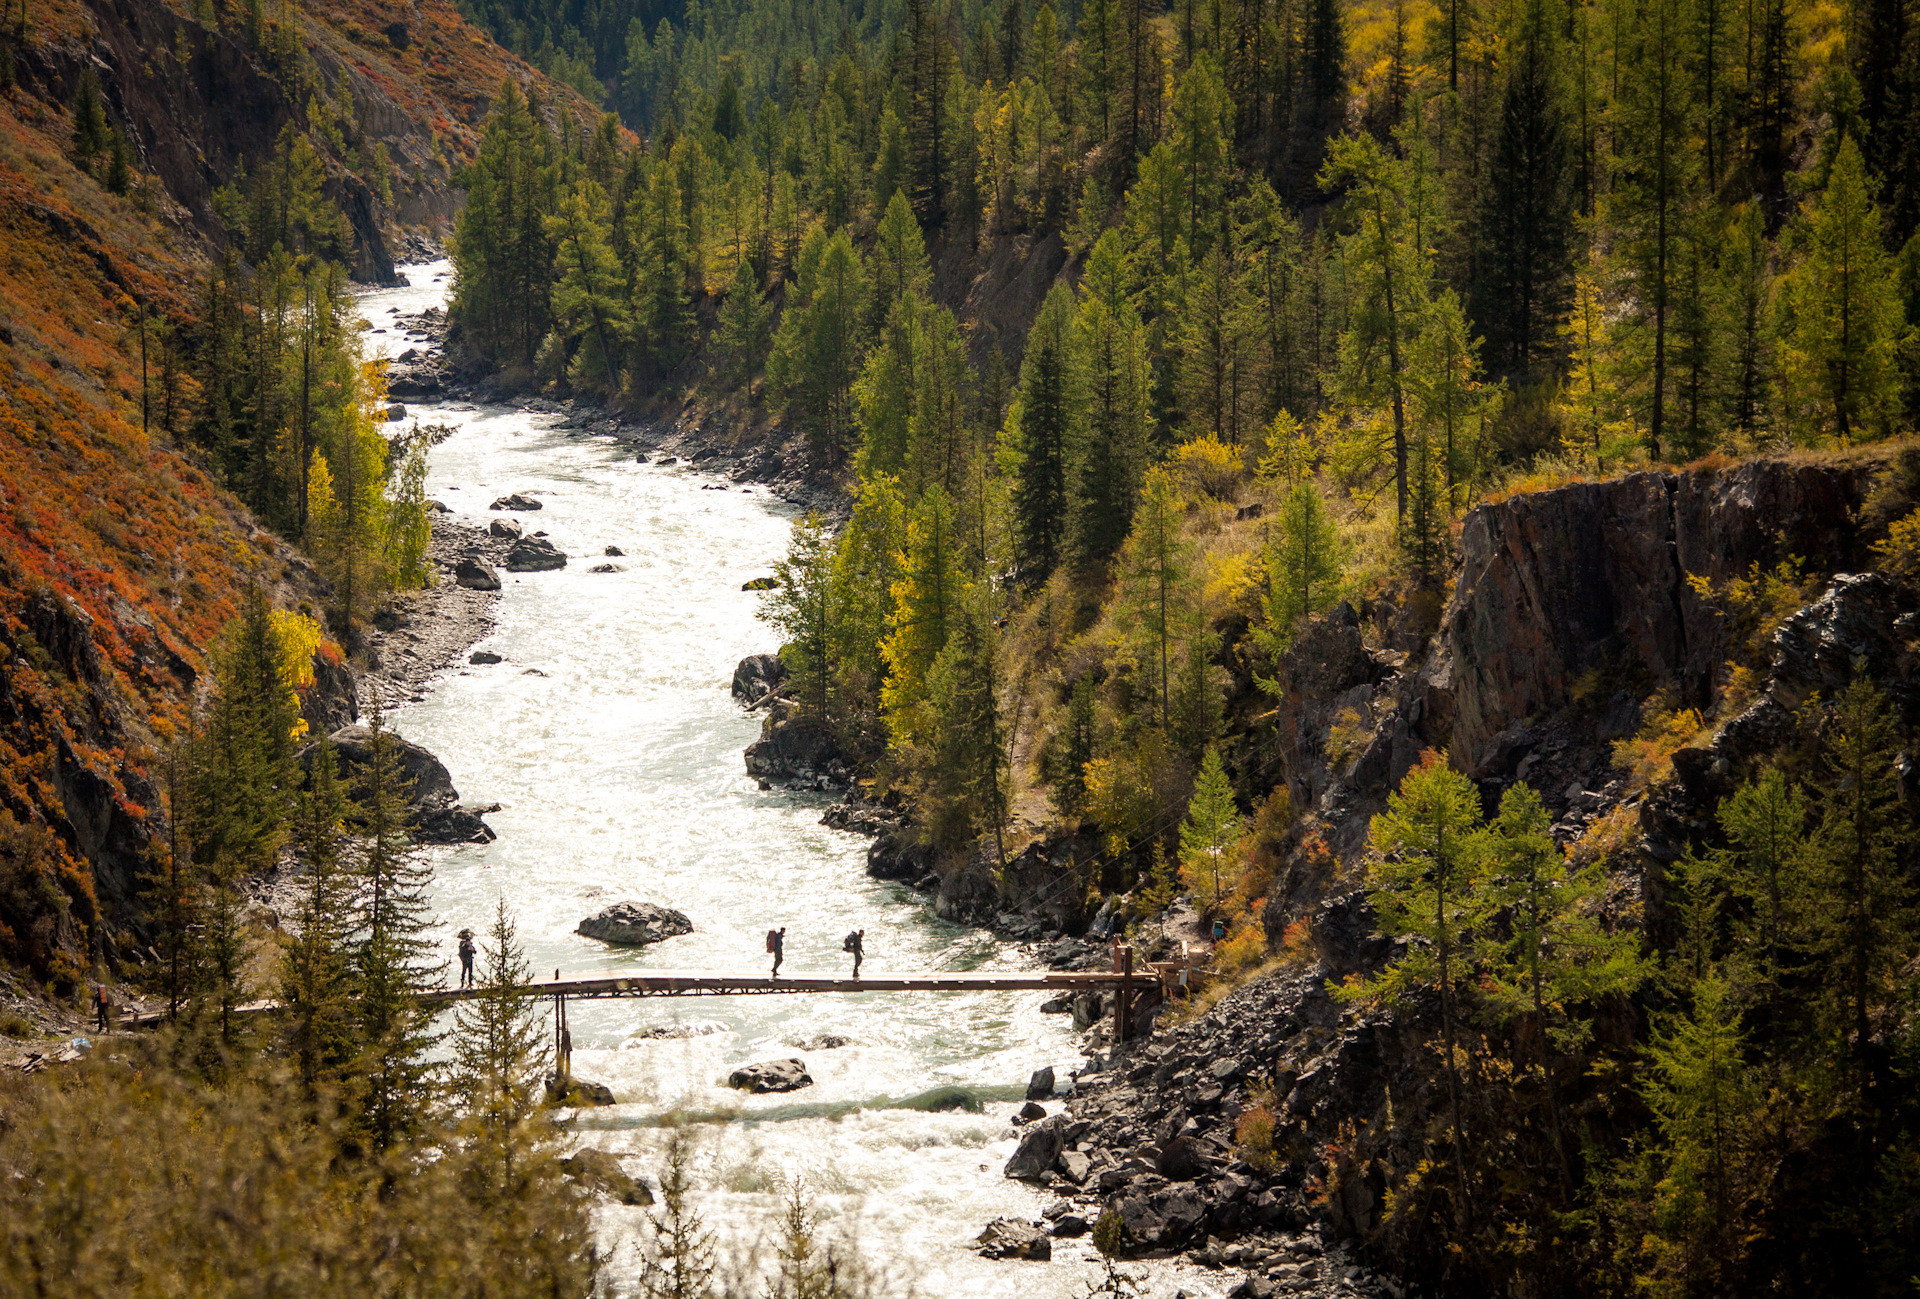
777	944
100	1004
856	943
466	958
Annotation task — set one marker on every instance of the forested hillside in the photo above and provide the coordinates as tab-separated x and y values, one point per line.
1150	576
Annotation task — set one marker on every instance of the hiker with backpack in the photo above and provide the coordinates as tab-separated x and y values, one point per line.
777	944
856	944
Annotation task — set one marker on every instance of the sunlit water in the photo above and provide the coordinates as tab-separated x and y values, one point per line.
609	740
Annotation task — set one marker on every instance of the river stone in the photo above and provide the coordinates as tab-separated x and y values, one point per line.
608	568
1040	1086
1074	1166
476	576
771	1076
515	502
614	552
683	1028
577	1093
396	413
437	507
1039	1147
599	1171
822	1042
532	555
761	584
1012	1238
1028	1113
507	528
482	657
1069	1226
635	924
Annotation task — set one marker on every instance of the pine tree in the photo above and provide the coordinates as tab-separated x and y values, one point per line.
1864	915
1110	342
119	166
1045	437
89	121
1077	738
801	606
899	261
1764	865
1154	567
745	326
678	1258
969	765
1424	852
499	1056
587	298
1843	316
818	348
393	962
244	770
1209	833
1304	565
1556	954
316	970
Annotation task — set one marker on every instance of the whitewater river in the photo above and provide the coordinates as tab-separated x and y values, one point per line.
609	740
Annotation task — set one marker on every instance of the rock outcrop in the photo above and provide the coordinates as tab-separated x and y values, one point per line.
475	575
635	924
757	676
1012	1238
515	501
797	750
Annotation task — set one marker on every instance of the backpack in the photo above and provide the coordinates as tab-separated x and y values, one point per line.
773	939
848	944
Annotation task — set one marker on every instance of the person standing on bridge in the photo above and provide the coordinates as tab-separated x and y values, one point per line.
856	943
777	944
466	958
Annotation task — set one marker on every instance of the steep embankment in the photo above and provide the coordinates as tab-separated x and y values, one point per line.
120	555
1571	607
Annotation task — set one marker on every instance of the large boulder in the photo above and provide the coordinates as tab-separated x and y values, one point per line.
534	555
600	1172
1012	1238
635	924
515	502
506	529
771	1076
433	804
577	1093
1040	1086
795	748
476	576
757	675
1039	1149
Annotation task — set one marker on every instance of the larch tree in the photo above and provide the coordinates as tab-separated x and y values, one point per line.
1208	834
500	1053
1046	437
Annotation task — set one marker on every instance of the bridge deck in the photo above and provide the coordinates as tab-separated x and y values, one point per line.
698	983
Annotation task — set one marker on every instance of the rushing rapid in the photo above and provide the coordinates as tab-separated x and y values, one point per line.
609	739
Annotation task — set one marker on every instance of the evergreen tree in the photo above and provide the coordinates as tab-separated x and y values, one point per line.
1843	323
499	1056
245	771
801	607
1076	739
899	260
926	607
1209	833
866	564
1154	567
587	303
90	128
1304	564
1764	865
969	736
393	961
316	970
1045	437
1424	852
1864	915
678	1258
745	327
818	348
1110	342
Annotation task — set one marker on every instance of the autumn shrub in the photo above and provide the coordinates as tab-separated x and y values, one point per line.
1647	755
1754	605
1207	467
1608	837
1253	1131
1898	554
1346	738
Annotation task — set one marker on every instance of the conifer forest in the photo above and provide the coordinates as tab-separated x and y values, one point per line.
1407	511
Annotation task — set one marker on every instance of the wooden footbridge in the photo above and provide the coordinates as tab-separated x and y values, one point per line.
1128	985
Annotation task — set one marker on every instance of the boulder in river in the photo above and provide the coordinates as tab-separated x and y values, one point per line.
600	1171
476	576
437	507
533	555
1028	1113
577	1093
480	658
635	924
507	528
771	1076
396	413
796	749
608	568
682	1028
1012	1238
757	675
432	801
761	584
1039	1147
515	501
613	552
1040	1086
822	1042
